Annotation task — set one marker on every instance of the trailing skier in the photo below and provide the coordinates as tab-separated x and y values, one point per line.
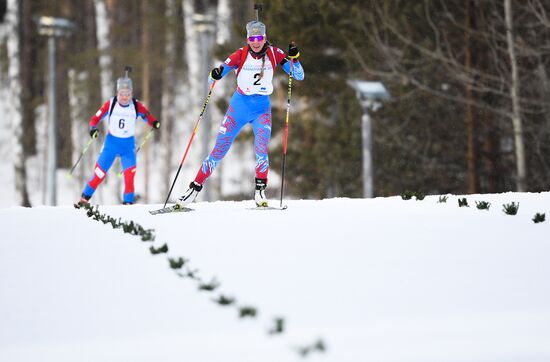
121	113
255	66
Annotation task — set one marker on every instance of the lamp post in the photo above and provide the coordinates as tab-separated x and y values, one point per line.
52	28
370	95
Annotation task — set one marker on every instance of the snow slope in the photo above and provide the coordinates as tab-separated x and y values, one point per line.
376	280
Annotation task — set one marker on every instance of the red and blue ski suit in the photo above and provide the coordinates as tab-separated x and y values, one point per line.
120	141
250	104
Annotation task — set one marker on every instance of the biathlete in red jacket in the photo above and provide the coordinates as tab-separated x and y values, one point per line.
255	66
121	113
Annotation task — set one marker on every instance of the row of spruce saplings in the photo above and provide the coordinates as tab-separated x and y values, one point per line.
178	264
509	209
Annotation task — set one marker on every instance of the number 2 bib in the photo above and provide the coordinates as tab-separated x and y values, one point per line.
249	80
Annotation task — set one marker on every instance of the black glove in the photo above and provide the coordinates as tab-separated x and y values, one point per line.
156	124
293	52
94	132
216	73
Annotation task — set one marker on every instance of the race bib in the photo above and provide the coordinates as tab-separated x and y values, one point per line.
250	79
123	121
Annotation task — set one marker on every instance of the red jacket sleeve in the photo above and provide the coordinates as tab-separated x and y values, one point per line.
144	113
234	59
100	114
279	55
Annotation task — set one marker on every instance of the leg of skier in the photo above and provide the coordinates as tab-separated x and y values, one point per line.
234	120
128	161
102	166
262	134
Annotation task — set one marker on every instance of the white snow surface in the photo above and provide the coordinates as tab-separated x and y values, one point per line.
379	279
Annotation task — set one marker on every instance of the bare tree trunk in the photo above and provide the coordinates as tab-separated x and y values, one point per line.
222	37
28	59
14	45
146	80
103	45
66	47
470	121
200	40
514	94
84	83
168	97
102	25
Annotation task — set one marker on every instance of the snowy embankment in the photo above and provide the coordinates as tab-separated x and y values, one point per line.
375	280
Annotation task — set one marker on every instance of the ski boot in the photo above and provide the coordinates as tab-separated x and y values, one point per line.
84	200
189	196
259	194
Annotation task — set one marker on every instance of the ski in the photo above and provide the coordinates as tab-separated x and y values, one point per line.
268	208
170	209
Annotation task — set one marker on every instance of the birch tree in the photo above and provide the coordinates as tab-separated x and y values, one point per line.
169	96
13	19
200	36
514	95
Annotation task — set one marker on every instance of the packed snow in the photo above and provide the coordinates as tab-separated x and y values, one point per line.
381	279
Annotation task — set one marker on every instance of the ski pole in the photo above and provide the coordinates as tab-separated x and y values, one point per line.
140	146
145	140
286	127
70	175
191	140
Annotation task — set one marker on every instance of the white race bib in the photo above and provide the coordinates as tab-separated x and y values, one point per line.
122	122
249	80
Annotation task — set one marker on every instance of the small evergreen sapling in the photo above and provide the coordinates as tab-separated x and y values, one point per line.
463	202
539	218
224	301
177	263
407	195
209	287
159	250
511	208
247	312
193	274
278	326
318	346
443	199
483	205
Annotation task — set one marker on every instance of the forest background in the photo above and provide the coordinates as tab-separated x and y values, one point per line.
468	81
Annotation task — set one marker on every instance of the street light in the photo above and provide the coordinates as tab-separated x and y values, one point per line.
52	28
370	95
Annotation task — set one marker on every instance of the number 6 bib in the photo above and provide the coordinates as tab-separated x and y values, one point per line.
122	122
